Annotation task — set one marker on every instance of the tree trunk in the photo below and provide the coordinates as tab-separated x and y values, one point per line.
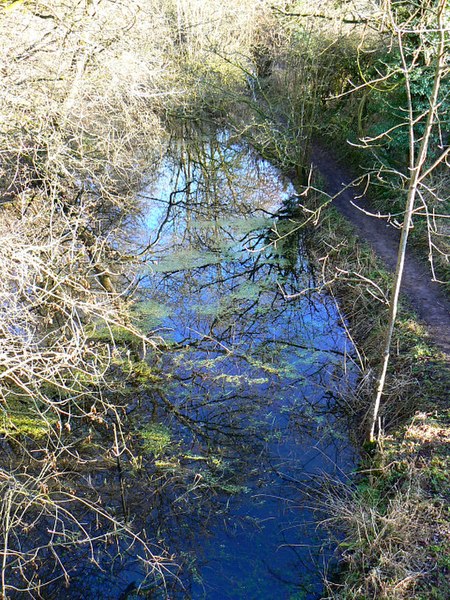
415	169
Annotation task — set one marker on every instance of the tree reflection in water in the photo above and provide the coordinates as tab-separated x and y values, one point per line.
250	378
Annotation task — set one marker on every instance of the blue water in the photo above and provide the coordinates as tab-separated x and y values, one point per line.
252	367
242	397
257	364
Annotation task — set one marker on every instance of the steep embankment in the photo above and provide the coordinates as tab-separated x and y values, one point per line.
425	295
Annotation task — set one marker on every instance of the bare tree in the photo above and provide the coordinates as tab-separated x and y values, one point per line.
79	128
428	24
86	92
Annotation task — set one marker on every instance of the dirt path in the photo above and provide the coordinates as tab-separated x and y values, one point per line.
426	297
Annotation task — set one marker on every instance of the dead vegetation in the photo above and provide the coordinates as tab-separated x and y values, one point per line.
394	523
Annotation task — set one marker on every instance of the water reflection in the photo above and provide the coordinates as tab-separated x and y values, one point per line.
251	377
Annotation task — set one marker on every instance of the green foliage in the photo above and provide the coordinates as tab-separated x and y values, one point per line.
386	110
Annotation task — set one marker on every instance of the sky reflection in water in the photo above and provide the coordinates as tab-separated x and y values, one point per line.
255	372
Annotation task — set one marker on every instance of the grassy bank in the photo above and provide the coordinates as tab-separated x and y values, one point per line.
395	521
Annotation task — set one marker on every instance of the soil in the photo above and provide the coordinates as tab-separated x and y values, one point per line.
425	295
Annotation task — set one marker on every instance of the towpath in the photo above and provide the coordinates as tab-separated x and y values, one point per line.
425	295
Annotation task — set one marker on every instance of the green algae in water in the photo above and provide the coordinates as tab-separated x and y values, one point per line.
155	438
116	333
248	290
222	486
150	313
186	260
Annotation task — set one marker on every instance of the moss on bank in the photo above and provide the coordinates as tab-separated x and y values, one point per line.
23	421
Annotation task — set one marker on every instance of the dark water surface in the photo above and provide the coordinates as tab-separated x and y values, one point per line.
233	421
253	371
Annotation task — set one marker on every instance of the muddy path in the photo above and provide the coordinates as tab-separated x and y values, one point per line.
424	295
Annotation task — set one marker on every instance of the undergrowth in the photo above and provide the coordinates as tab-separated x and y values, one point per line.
393	522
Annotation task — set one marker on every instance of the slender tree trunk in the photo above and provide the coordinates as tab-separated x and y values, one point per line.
415	169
